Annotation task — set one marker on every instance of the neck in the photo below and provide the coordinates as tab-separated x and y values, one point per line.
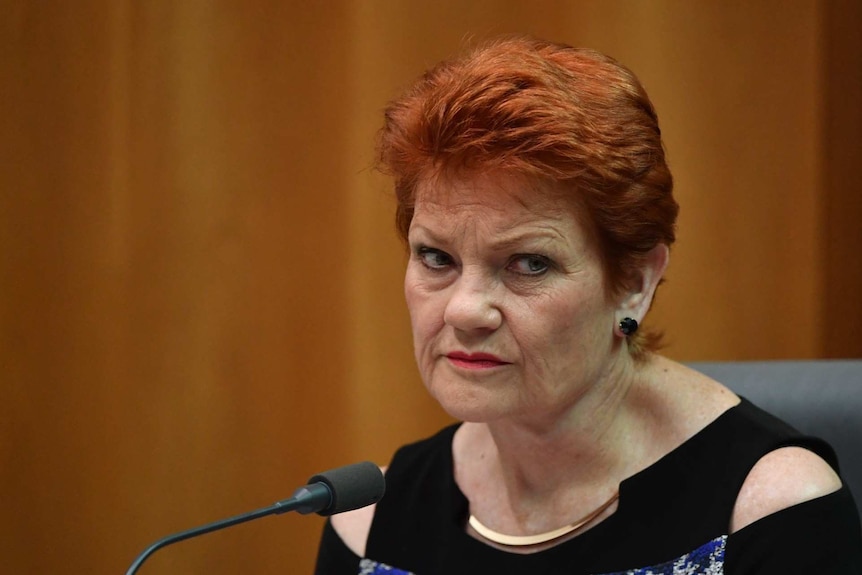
580	444
571	460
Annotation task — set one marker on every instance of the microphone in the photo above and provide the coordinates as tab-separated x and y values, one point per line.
334	491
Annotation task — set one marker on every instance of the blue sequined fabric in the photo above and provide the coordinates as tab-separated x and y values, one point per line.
369	567
708	559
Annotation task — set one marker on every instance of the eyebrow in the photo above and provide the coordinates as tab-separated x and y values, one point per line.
504	243
513	241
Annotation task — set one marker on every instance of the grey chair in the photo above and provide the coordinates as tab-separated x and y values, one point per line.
822	398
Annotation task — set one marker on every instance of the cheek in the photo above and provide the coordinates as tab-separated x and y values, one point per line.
568	326
424	317
413	300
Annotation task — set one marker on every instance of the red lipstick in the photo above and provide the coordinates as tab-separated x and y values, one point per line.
475	360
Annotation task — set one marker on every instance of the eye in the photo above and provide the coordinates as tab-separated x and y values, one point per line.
433	258
529	264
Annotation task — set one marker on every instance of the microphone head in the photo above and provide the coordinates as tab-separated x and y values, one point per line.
352	486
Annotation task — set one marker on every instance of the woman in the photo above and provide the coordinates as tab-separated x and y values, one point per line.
536	203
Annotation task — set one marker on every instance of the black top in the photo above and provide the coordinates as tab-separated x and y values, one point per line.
672	517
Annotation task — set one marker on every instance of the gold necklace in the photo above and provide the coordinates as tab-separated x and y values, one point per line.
523	540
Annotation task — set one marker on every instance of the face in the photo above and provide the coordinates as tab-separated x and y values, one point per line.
507	301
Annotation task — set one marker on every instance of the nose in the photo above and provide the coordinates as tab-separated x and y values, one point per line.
472	304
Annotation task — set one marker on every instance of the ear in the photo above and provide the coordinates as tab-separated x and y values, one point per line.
637	300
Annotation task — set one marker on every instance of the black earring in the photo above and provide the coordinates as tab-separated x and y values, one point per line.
628	325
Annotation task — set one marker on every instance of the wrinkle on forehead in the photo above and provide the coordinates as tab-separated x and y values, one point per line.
494	191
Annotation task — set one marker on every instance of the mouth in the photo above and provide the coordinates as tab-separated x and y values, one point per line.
475	360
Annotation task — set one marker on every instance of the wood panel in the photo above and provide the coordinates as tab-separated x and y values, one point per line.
841	154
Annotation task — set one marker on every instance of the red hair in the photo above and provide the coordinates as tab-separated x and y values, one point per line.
552	113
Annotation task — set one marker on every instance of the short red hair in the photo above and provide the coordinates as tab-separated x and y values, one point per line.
551	113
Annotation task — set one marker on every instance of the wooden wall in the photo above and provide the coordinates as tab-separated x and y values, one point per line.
200	286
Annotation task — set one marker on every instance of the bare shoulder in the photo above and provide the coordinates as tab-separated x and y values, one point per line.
353	526
781	479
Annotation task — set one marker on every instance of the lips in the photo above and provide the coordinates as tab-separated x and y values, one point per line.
475	360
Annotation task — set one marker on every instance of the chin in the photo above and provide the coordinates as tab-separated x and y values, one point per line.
466	402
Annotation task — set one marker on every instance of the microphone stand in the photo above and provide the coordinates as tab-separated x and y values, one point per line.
307	499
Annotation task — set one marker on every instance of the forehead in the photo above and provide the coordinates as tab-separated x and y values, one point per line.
455	192
494	197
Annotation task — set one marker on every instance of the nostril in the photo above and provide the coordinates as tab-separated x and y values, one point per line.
472	314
